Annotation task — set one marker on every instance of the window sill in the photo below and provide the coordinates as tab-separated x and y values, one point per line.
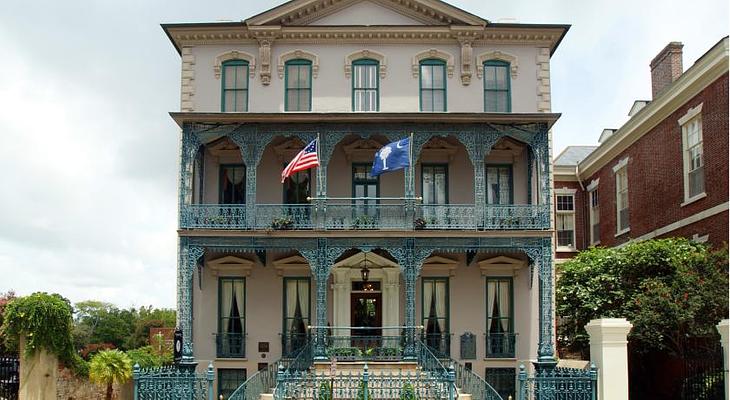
237	359
565	249
693	199
500	358
596	243
619	233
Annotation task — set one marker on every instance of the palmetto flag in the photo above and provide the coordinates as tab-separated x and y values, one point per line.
305	159
392	157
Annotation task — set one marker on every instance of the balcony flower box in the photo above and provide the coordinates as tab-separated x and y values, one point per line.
282	223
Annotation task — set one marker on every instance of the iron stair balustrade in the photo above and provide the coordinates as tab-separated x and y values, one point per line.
558	383
471	383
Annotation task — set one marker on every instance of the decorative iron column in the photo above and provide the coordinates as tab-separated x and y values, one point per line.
320	261
187	261
545	348
189	145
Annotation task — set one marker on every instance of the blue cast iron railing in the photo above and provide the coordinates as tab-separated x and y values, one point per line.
172	383
230	345
438	343
365	214
471	383
558	384
500	345
365	348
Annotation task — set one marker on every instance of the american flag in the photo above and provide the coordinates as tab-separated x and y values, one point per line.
305	159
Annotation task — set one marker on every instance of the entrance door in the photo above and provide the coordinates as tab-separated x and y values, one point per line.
366	310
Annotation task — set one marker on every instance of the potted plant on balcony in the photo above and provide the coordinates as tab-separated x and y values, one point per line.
284	222
419	224
363	222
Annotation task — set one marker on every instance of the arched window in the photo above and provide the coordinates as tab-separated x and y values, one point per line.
433	85
234	86
497	97
298	85
365	85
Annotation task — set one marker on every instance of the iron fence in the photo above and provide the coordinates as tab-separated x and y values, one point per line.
558	384
703	369
368	348
172	383
9	376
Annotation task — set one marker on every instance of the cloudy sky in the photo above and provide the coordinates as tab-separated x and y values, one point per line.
88	153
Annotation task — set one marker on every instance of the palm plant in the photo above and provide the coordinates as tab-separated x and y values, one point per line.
108	367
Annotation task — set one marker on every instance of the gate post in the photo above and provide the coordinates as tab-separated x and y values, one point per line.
135	377
610	354
724	328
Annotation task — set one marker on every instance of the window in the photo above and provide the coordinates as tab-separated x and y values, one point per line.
500	325
499	184
435	313
234	93
595	217
229	380
497	96
622	200
565	220
364	185
296	314
502	380
232	184
298	187
694	163
298	92
365	85
433	85
231	317
434	183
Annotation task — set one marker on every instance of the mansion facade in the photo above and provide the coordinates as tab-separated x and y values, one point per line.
454	253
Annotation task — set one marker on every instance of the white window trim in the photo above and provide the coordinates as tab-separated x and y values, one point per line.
692	113
565	192
621	166
592	188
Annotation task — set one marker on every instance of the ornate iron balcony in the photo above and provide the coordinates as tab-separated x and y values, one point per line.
230	345
364	216
501	345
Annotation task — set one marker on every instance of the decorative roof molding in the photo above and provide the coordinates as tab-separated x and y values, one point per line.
234	55
298	55
230	266
369	54
593	185
432	54
358	258
691	113
497	55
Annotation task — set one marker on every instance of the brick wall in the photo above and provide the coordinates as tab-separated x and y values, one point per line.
655	174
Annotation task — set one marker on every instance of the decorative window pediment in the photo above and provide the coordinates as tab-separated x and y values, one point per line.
234	55
440	264
497	55
367	54
298	55
295	265
501	266
230	266
432	54
440	147
286	150
361	149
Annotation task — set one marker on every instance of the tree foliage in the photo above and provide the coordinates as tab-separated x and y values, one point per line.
5	298
668	289
108	367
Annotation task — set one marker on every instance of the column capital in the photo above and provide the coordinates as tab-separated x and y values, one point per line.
608	330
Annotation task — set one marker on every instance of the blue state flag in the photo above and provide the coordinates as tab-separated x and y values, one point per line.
392	157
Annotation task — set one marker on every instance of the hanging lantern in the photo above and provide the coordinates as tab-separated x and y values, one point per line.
365	272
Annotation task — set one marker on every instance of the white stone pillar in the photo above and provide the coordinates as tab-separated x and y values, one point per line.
609	352
724	328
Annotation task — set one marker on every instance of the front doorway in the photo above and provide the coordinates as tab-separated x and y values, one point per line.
366	314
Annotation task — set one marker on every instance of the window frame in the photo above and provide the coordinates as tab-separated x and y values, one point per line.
431	62
219	380
694	115
224	71
376	66
511	183
284	317
622	170
288	179
502	371
220	317
593	197
567	193
511	317
508	80
446	175
221	167
299	62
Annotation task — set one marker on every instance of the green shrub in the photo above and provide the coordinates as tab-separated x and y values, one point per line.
408	392
146	357
325	391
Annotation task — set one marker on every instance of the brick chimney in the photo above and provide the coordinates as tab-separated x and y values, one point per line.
666	67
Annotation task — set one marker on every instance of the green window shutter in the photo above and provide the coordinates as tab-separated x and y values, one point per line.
432	85
497	95
234	86
298	85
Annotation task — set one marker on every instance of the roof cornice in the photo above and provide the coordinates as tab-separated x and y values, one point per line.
706	70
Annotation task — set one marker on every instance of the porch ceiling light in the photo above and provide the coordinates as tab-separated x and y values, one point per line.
365	271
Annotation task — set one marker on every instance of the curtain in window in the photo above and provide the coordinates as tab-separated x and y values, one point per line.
428	293
441	304
226	303
499	190
491	298
504	303
291	303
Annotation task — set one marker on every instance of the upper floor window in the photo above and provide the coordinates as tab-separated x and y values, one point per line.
365	85
298	78
565	220
694	163
433	85
595	216
497	96
622	200
297	187
232	184
234	92
434	183
499	184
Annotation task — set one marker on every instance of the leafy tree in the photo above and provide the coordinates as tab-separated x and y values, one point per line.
108	367
147	357
669	289
5	298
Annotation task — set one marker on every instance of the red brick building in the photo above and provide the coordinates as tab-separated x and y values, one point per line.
664	173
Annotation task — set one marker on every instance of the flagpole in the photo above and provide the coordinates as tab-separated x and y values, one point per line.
319	176
413	167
